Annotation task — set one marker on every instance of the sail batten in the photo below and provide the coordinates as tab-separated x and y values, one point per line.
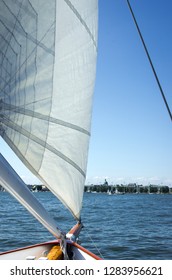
48	63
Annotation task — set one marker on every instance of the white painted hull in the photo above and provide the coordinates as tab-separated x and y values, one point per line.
40	251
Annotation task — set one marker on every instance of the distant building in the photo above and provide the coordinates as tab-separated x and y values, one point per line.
105	183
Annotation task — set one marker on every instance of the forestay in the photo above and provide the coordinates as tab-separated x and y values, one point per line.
48	59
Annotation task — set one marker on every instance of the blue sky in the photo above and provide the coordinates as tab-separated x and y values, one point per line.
131	130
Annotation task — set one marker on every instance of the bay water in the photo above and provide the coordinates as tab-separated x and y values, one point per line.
123	227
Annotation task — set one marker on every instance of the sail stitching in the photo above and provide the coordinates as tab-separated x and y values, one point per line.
13	28
10	80
31	113
28	36
22	31
34	138
2	54
81	20
25	161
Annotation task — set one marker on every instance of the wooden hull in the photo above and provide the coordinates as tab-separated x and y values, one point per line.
40	252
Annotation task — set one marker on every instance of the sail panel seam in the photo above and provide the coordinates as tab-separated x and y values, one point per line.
21	30
82	21
24	160
37	115
42	143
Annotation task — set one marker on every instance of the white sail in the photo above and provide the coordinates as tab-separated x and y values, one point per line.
48	59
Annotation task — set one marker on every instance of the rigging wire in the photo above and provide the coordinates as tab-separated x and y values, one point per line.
94	244
150	61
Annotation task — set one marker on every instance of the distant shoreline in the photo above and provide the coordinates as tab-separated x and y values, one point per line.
113	189
128	189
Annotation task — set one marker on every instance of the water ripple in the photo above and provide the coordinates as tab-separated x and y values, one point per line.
120	227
